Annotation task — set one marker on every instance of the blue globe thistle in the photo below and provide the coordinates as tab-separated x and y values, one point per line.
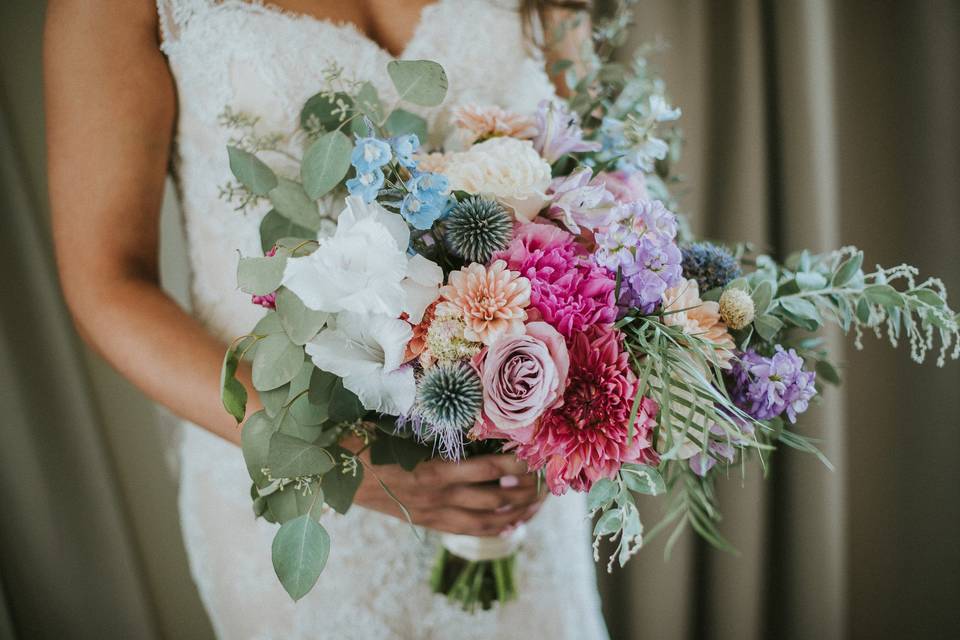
448	402
710	265
477	228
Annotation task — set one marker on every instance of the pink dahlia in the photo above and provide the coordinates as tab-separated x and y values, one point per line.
586	438
567	289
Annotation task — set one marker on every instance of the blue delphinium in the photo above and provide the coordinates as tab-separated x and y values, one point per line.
369	157
403	148
426	200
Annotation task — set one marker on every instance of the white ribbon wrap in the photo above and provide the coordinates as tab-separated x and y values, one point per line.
478	548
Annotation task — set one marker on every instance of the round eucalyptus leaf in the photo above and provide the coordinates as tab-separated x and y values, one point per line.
325	111
401	122
274	399
251	171
422	82
275	227
276	361
325	163
292	457
300	323
289	198
368	102
233	394
260	276
255	445
300	550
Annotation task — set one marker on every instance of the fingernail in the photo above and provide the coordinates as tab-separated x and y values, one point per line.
509	481
506	532
503	509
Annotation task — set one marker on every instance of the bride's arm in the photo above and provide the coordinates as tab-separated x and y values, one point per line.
110	108
566	31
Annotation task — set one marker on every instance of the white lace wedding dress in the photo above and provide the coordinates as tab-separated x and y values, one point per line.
263	61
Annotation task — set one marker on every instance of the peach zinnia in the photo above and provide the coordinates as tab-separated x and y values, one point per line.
683	308
492	121
490	300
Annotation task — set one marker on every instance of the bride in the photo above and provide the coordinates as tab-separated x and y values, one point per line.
134	88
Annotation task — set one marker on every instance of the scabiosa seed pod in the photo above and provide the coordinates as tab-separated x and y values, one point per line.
477	227
449	397
710	265
736	308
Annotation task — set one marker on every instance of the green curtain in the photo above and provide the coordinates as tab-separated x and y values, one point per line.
808	124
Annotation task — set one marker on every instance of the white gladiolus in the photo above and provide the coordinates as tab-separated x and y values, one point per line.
364	267
367	352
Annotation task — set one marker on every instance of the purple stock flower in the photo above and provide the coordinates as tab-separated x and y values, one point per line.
558	132
768	387
641	245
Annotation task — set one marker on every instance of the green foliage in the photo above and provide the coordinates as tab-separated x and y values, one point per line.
233	394
260	276
422	82
368	102
326	111
290	200
255	443
406	452
275	227
291	457
325	163
276	361
251	171
340	484
300	551
401	122
300	323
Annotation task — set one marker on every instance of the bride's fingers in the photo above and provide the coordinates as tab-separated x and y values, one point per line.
478	498
474	523
471	470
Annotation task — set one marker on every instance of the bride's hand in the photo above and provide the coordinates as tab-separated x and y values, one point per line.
480	496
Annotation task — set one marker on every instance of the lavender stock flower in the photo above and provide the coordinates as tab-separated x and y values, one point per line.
559	133
768	387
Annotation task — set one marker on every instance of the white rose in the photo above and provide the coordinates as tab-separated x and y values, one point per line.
506	169
364	267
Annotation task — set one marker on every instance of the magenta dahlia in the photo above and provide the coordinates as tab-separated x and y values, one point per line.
567	289
587	439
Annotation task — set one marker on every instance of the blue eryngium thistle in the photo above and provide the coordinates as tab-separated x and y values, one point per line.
448	402
477	227
710	265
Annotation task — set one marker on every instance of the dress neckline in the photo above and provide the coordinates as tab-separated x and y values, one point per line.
345	26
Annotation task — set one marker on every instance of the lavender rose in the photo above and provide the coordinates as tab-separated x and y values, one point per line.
522	376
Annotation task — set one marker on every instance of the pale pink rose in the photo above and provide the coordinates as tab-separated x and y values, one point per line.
523	376
626	186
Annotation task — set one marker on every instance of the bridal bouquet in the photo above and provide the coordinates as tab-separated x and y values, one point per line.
523	286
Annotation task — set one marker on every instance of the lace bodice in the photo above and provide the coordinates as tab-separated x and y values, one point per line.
265	62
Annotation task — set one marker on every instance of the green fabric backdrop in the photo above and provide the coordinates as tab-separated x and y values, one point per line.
808	123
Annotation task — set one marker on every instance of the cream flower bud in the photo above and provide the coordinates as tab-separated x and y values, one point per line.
736	308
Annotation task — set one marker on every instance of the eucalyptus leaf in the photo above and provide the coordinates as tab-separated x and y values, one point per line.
406	452
260	276
233	394
290	200
255	445
339	485
275	227
251	171
268	325
344	405
422	82
325	163
300	323
300	550
274	399
292	457
326	111
283	505
368	102
401	122
276	361
301	409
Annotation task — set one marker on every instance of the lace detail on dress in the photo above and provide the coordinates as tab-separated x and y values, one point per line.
264	61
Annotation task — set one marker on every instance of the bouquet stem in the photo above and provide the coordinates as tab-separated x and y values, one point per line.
473	583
